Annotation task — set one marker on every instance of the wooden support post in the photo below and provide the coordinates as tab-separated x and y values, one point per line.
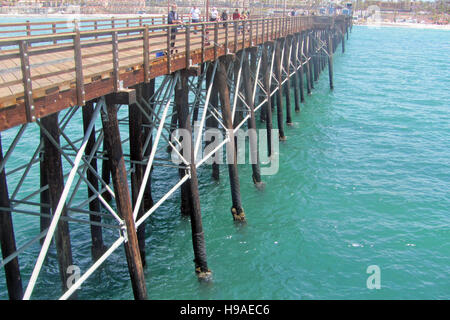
173	125
343	41
301	74
296	72
310	63
220	81
287	85
97	248
197	101
44	196
186	206
106	174
53	165
330	60
211	122
123	199
320	55
248	85
279	93
198	239
136	145
147	93
238	116
7	240
268	106
315	54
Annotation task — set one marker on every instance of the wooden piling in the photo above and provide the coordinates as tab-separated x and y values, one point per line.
330	59
123	199
44	195
97	248
53	165
147	92
287	85
279	93
294	60
186	205
106	173
211	122
301	73
198	239
7	239
248	85
315	56
238	116
309	76
220	81
268	106
135	118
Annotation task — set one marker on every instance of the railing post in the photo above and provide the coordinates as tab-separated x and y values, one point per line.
236	28
251	33
28	26
226	37
243	34
257	30
203	41
273	26
169	45
54	31
146	55
78	67
188	46
26	78
216	40
115	47
262	31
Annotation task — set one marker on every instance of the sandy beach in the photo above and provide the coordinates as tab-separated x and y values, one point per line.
407	25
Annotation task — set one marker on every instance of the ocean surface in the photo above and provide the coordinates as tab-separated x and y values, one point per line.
364	180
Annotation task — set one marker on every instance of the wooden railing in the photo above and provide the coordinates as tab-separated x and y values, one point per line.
30	28
32	67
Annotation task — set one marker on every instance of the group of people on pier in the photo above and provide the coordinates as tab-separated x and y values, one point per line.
195	17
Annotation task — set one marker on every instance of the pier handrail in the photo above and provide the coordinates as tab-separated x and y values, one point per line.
31	28
40	65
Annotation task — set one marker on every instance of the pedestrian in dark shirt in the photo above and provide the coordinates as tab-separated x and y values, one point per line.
173	19
224	17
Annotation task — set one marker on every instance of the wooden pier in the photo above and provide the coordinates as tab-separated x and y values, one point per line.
209	75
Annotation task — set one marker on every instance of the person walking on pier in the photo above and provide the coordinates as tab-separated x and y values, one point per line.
214	15
224	17
173	19
195	16
236	18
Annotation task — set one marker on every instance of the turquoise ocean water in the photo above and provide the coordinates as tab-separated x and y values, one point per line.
364	180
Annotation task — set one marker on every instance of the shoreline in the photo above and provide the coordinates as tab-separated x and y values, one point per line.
406	25
68	15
